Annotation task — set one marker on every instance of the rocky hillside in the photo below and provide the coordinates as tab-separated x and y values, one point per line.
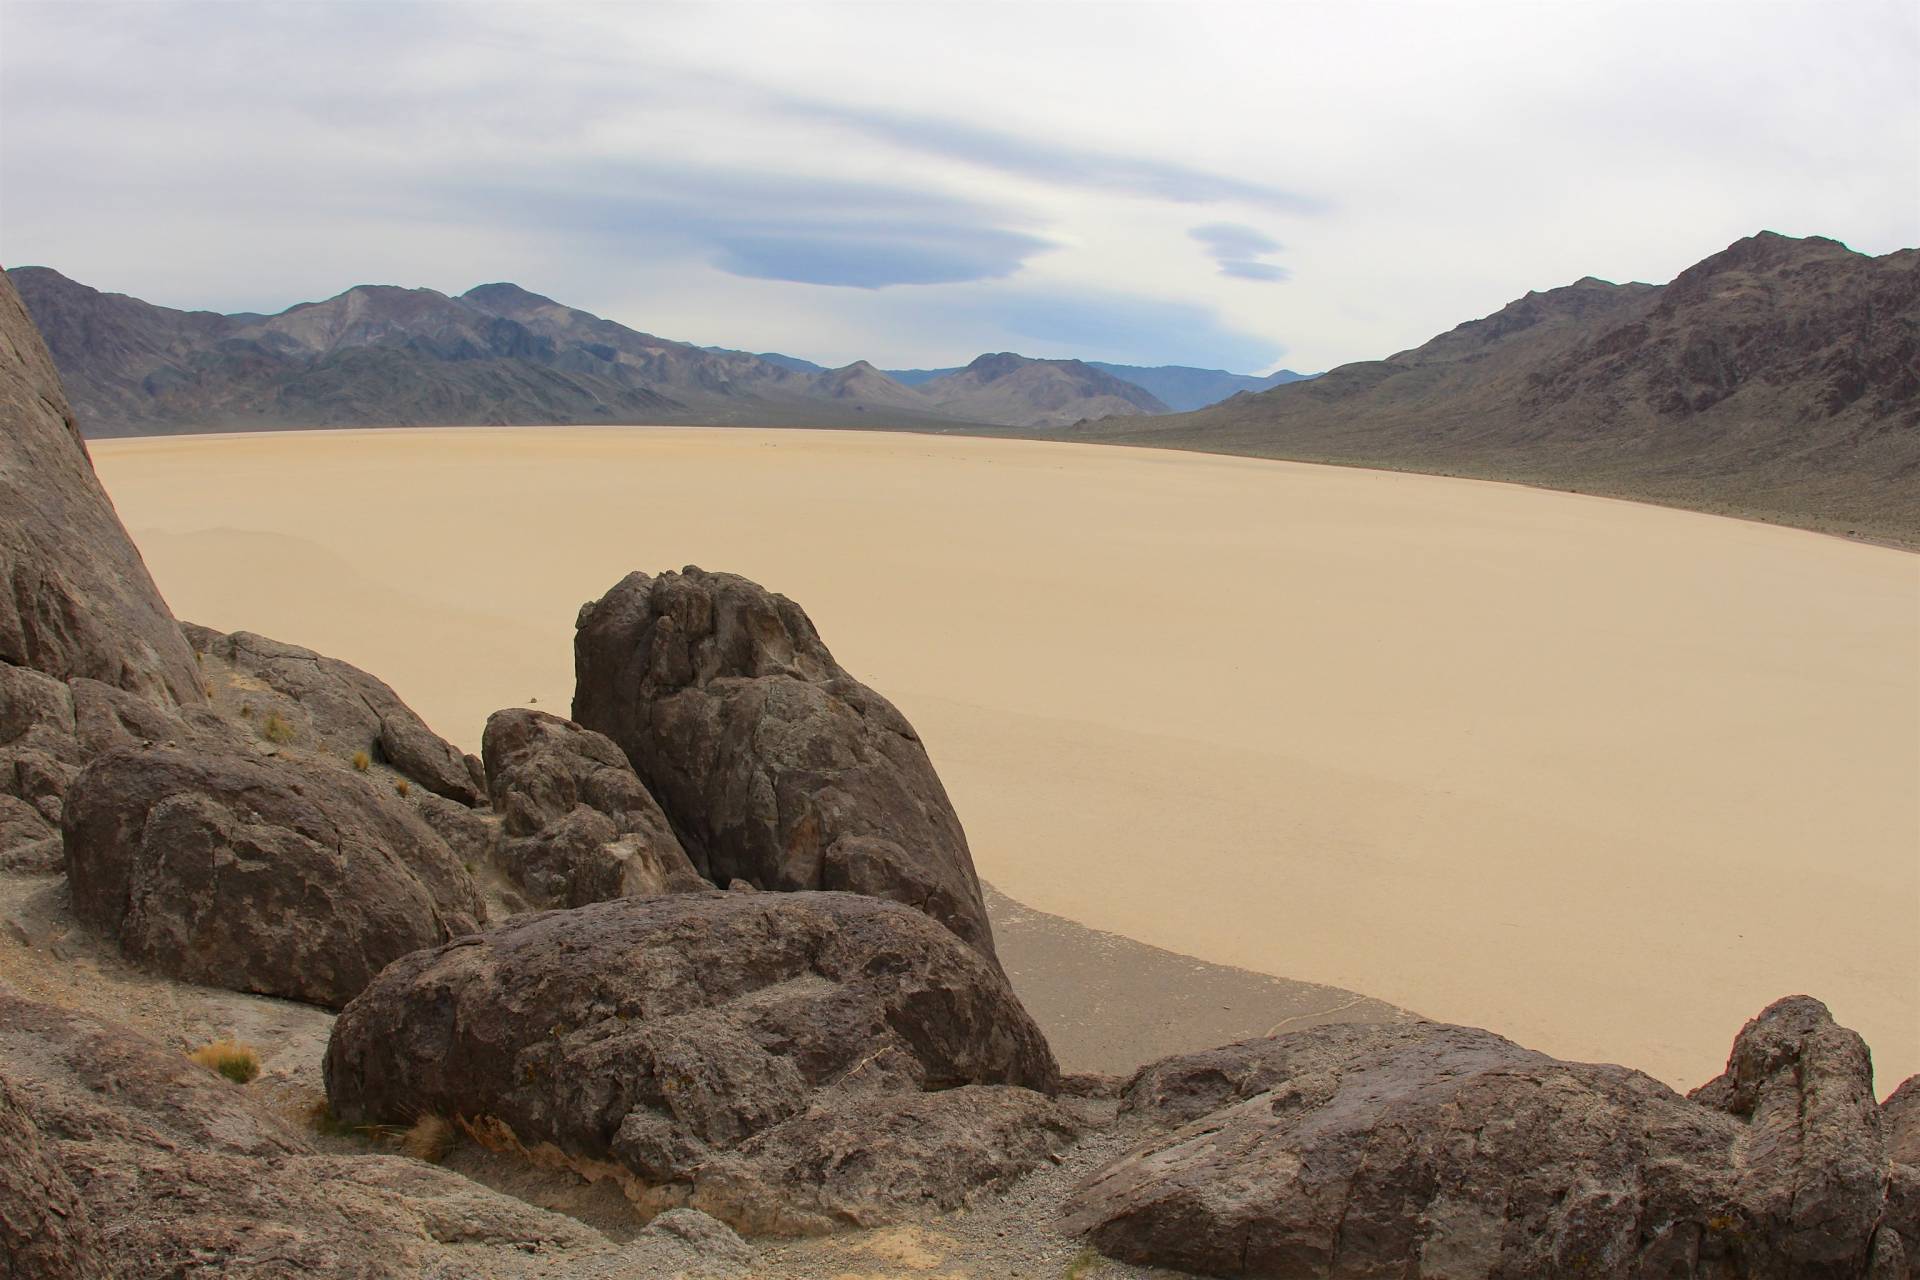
700	983
1183	388
1778	379
377	355
1017	391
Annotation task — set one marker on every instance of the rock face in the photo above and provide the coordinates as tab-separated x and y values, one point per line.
775	766
1443	1151
577	822
45	1233
159	1168
257	874
78	600
333	707
649	1036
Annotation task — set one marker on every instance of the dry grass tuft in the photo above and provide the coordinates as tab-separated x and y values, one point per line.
362	761
402	785
238	1062
275	728
429	1139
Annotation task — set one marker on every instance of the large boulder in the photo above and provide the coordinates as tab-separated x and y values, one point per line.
45	1232
703	1042
330	707
775	766
1436	1150
577	824
257	873
75	597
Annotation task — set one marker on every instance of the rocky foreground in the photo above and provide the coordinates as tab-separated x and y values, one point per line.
701	982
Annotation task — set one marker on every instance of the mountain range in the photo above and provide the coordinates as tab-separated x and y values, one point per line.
380	355
1778	379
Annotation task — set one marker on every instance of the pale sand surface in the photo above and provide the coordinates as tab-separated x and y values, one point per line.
1605	778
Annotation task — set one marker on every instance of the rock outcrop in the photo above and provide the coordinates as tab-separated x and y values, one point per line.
646	1037
578	826
155	1167
77	598
258	874
775	766
1369	1150
45	1233
332	707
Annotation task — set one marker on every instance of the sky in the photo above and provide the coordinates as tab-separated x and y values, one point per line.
1247	186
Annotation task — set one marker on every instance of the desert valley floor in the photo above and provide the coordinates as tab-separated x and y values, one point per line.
1602	777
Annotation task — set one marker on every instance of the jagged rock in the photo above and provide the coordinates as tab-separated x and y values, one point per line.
579	825
866	1162
45	1232
649	1035
75	598
1812	1159
333	707
256	873
775	765
1372	1150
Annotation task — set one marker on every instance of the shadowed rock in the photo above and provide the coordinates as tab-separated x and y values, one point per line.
334	707
75	598
775	766
255	873
650	1035
577	822
1370	1150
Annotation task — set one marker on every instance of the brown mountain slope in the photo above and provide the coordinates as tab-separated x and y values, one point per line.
1019	391
1779	380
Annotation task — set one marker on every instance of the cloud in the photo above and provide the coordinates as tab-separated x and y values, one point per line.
876	257
1054	163
1238	249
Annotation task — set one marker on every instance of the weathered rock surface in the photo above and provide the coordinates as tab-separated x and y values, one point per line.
45	1232
332	706
175	1171
867	1162
775	766
646	1036
578	825
77	598
255	873
1435	1150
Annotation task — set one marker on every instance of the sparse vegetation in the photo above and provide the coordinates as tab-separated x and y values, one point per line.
275	728
402	786
246	710
1083	1265
362	761
238	1062
429	1139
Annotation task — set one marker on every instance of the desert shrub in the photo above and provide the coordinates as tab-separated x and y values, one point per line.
246	710
429	1139
275	728
402	786
238	1062
361	761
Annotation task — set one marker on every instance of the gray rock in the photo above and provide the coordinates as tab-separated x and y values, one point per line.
650	1035
45	1231
775	765
1437	1150
332	707
257	874
578	824
75	598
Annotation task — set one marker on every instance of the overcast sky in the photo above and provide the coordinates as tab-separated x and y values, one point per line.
1237	185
